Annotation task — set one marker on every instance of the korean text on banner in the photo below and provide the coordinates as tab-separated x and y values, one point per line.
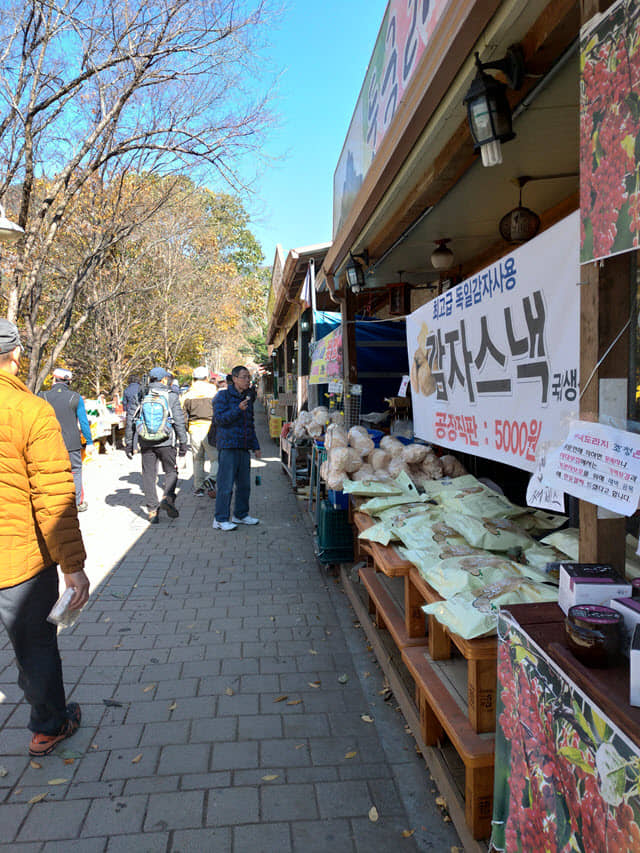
598	464
326	361
494	361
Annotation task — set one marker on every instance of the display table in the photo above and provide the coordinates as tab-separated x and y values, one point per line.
567	767
294	460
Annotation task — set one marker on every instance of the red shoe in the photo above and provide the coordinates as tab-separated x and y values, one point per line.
45	744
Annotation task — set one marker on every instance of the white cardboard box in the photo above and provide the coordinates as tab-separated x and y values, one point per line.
630	609
589	583
634	678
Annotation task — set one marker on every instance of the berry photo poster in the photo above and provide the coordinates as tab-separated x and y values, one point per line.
566	778
610	132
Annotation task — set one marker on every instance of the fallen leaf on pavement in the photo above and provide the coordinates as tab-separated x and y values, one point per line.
407	833
229	691
94	746
136	760
35	765
280	698
69	760
148	688
315	684
440	801
343	678
57	781
373	814
111	703
366	674
351	754
270	778
38	797
313	652
295	702
173	706
301	746
366	718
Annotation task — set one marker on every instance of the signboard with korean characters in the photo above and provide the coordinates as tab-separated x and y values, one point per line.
494	361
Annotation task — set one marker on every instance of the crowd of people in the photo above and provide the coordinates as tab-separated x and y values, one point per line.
41	494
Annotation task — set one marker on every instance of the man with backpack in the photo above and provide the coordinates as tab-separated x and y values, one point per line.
157	418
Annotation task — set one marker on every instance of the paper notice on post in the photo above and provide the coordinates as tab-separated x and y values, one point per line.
595	463
544	495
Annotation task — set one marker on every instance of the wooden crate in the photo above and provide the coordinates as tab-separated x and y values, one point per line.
440	714
385	612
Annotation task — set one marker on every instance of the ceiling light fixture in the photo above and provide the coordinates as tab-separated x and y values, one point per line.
521	223
442	256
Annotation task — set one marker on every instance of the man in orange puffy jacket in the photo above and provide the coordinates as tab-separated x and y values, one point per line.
38	529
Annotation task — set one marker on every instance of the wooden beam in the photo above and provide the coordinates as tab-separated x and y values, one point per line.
604	309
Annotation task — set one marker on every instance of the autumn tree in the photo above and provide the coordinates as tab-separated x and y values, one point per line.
93	91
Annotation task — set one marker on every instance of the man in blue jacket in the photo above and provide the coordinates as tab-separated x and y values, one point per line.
235	439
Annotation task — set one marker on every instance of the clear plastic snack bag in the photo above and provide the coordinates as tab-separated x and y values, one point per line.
60	614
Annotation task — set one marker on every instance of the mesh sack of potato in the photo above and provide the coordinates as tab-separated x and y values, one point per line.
391	445
315	429
337	458
451	466
431	467
353	461
336	417
360	440
397	465
320	414
335	479
413	454
365	472
336	437
305	418
378	459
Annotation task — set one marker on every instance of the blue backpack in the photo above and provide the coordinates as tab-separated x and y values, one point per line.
153	417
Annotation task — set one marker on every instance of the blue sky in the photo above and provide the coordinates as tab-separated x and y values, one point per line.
323	50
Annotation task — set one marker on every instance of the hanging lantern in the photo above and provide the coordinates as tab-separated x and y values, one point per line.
521	223
442	257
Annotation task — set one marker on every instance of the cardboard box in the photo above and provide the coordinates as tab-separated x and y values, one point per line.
634	677
589	583
630	609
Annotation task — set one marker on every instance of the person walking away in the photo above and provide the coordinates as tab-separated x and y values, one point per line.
198	409
38	528
235	438
131	398
158	418
71	413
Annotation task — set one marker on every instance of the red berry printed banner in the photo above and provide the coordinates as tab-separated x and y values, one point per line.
610	132
566	780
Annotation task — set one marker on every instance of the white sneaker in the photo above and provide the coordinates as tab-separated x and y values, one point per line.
223	525
248	519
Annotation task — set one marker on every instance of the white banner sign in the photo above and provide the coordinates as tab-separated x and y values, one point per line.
598	464
494	361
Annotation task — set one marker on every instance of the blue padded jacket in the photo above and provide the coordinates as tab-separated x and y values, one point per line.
234	428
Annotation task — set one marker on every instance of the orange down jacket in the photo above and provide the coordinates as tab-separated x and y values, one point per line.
38	517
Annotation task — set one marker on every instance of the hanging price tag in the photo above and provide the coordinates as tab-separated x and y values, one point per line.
403	387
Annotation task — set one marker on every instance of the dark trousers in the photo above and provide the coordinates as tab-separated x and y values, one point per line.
23	612
150	455
234	468
75	457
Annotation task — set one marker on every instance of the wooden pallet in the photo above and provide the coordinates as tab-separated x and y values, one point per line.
480	654
440	714
385	612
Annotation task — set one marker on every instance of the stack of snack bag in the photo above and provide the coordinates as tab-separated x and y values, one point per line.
473	547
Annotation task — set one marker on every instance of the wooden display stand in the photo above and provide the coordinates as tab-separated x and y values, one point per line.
441	711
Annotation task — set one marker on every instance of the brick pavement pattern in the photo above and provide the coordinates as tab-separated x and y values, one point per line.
207	667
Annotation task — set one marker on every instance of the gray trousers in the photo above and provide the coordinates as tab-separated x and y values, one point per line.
23	612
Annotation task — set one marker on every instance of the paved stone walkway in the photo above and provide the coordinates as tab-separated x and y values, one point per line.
209	668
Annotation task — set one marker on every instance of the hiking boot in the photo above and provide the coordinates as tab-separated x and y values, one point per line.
83	507
154	516
248	519
45	744
199	493
223	525
169	507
